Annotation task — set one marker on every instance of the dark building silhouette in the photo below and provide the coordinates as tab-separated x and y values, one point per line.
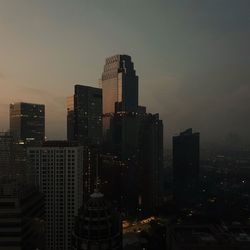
98	226
84	118
132	137
27	122
114	176
186	162
22	223
151	162
13	161
136	143
90	167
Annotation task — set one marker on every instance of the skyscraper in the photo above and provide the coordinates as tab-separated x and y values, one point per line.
84	119
59	173
186	166
119	87
119	84
136	139
27	122
131	135
151	162
13	160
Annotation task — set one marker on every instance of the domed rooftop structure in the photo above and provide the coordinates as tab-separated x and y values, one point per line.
98	226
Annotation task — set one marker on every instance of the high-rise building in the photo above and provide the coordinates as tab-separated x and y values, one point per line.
119	87
13	160
98	226
131	135
22	225
59	173
135	142
151	162
27	122
84	119
186	157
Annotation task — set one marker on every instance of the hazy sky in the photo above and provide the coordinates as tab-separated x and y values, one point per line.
192	58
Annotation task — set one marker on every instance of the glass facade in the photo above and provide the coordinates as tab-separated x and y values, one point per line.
84	119
119	84
27	122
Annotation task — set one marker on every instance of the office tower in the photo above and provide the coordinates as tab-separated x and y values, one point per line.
21	217
13	160
119	87
186	166
119	84
136	141
27	122
131	135
84	119
151	162
98	226
59	173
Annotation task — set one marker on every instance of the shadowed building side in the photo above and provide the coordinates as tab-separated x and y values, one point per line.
84	116
186	163
27	123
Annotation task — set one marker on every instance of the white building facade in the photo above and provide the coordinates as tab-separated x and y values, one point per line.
59	174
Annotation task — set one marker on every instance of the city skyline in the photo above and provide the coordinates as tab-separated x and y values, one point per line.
191	59
124	124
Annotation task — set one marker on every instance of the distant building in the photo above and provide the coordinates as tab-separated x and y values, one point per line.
136	139
13	160
151	160
27	123
84	118
59	173
22	225
113	174
208	237
98	226
131	135
119	84
120	87
186	163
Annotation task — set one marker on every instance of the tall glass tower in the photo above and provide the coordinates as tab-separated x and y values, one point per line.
84	115
27	122
119	88
119	85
